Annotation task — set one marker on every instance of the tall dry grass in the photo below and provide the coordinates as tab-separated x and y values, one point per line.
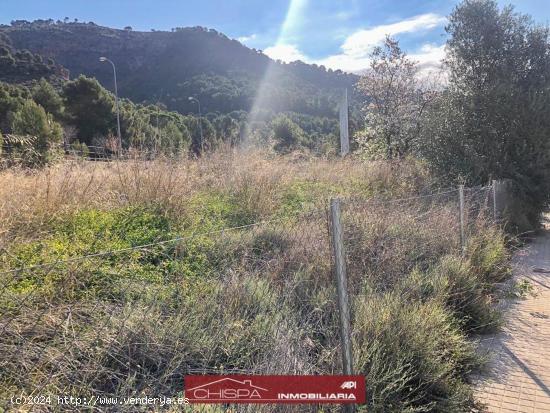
31	199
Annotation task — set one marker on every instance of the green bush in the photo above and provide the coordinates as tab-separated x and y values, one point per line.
454	284
32	120
489	257
466	285
287	134
413	354
44	94
81	149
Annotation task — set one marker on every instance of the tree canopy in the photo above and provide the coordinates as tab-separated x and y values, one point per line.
493	121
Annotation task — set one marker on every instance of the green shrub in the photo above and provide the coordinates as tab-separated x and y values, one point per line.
81	149
454	284
489	257
414	356
32	120
287	134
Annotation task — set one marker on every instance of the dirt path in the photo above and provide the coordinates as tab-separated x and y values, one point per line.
519	373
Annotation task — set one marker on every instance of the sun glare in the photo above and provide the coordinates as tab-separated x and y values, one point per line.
288	30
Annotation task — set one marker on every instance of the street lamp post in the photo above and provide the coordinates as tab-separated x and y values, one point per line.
191	98
104	59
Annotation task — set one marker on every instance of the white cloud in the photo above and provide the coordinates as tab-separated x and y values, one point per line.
430	67
244	39
285	52
362	42
344	62
429	56
355	48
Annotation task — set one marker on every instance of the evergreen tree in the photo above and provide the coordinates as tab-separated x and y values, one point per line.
494	119
46	96
90	108
287	134
31	120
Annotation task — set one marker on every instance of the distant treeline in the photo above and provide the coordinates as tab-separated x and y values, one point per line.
82	114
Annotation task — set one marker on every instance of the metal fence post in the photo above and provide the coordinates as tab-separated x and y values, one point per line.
461	216
495	216
341	284
339	253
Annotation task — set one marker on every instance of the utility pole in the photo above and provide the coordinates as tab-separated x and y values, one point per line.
344	127
104	59
191	98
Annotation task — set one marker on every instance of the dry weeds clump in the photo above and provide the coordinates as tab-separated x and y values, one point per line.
256	313
387	240
414	355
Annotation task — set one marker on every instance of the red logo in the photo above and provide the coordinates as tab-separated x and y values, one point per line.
275	389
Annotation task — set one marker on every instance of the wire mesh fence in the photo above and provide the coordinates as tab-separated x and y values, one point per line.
404	263
256	299
18	154
387	238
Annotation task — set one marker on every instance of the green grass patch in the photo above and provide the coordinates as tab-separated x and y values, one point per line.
60	272
301	196
211	211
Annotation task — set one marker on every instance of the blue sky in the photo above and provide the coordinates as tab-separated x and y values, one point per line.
336	33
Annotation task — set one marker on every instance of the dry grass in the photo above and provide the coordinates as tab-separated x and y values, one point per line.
31	199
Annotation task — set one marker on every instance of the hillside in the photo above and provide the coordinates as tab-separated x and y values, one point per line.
171	66
23	67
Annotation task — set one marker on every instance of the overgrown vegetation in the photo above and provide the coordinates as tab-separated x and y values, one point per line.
82	116
21	66
190	61
121	277
260	298
221	73
488	121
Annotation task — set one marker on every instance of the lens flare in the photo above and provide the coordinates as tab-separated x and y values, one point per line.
268	84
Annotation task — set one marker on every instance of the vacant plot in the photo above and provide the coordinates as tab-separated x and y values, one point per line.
120	278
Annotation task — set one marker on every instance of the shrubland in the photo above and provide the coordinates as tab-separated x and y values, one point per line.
486	119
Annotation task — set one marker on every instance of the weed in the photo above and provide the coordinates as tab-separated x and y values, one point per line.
520	289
